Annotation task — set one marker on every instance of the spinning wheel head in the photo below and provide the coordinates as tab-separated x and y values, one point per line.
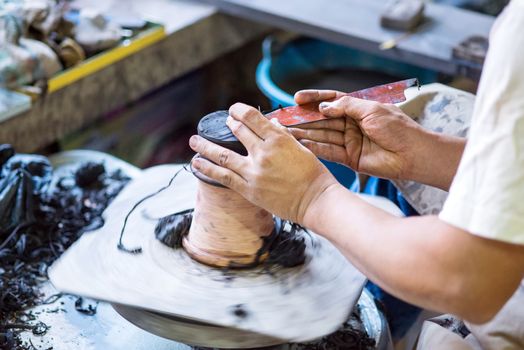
281	305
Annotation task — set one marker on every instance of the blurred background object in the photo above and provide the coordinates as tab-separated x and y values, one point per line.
13	103
489	7
403	14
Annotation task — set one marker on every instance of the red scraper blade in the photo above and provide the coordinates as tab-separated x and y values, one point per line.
308	113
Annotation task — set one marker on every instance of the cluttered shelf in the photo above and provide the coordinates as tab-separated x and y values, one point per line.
143	57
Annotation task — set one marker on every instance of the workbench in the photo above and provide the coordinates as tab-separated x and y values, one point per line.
356	24
196	34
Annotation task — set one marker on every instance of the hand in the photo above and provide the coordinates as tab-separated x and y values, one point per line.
278	174
369	137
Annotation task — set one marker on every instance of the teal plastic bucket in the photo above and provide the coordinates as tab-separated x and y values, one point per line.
303	63
311	63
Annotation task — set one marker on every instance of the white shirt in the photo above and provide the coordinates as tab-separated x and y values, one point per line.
487	194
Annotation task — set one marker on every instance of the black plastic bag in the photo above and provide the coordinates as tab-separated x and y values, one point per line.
23	177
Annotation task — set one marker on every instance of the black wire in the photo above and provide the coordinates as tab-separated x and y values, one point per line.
12	235
138	250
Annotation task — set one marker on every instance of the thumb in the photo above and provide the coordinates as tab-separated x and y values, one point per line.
347	106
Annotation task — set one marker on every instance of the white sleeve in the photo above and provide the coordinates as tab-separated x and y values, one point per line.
487	194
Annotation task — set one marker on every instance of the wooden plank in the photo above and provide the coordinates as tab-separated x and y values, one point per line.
356	23
100	61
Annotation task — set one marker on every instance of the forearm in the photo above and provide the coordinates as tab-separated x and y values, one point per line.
398	261
436	162
416	259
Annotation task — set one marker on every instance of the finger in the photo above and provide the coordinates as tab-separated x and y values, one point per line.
226	177
326	151
348	106
319	135
217	154
334	124
253	119
276	122
244	134
307	96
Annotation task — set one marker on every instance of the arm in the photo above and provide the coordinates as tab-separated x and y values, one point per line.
437	161
421	260
379	140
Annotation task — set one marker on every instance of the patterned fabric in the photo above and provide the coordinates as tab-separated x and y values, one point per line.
442	109
502	332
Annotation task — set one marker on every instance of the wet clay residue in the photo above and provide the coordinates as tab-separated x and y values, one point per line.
88	309
352	335
240	311
285	247
40	218
171	229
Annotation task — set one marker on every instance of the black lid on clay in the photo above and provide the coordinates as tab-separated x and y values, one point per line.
213	127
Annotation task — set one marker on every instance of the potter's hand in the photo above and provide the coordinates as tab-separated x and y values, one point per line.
369	137
278	174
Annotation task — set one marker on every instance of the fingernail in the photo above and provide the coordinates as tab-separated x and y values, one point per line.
193	141
196	164
325	105
229	119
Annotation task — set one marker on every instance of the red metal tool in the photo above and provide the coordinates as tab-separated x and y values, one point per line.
308	113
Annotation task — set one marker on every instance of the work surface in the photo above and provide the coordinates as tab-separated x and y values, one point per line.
356	23
70	329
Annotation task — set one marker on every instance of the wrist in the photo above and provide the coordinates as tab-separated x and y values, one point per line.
436	159
322	200
420	146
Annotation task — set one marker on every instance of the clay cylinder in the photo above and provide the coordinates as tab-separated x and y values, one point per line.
226	230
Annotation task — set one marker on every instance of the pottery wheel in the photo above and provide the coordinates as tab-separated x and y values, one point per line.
193	333
235	308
